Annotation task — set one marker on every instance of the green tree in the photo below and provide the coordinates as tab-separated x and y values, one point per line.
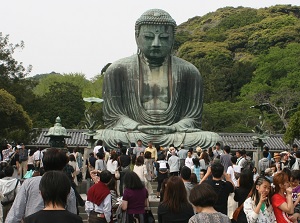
64	100
293	130
15	122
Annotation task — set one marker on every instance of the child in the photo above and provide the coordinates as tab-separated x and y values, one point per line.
295	179
258	206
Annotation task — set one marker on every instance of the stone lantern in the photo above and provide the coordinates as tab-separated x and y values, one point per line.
57	135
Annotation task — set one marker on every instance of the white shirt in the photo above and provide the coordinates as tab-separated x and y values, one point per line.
231	170
141	171
38	155
189	162
96	148
104	207
112	166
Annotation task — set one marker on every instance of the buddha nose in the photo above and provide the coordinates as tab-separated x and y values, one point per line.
156	42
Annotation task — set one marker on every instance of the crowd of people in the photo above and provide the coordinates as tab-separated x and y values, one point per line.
193	185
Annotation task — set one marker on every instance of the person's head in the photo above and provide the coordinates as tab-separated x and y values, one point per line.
193	178
99	143
202	173
139	143
119	145
284	156
246	179
196	162
142	154
203	195
150	144
288	172
218	146
9	171
185	173
281	182
114	156
254	170
154	34
204	155
123	150
233	159
22	146
161	156
139	161
54	189
262	187
277	157
147	155
266	148
54	159
227	149
189	154
105	176
132	181
157	147
100	156
243	153
72	157
172	199
297	154
295	147
269	172
295	178
265	154
112	184
217	170
91	154
238	153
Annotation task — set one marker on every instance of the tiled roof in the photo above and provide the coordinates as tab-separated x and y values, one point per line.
234	140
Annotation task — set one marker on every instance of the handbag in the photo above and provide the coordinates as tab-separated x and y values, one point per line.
148	217
117	174
237	211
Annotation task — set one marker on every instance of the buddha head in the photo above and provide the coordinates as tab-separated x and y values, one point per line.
154	33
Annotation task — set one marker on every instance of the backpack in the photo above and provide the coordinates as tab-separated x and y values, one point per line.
248	164
10	196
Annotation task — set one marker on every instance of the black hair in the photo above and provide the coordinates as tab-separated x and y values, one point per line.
265	154
72	157
295	146
295	175
161	156
185	173
124	150
54	189
119	144
217	169
203	195
246	179
54	159
99	142
266	148
196	162
132	181
218	144
9	171
233	159
100	155
255	195
147	155
139	161
227	149
105	176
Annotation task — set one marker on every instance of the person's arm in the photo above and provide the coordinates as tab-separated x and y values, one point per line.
89	206
251	213
17	210
107	207
208	173
124	205
288	206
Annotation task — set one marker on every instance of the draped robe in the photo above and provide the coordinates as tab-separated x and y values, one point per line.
123	110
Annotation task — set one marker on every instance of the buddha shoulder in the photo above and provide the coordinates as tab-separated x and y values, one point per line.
120	64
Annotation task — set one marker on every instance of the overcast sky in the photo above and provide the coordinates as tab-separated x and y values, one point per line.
68	36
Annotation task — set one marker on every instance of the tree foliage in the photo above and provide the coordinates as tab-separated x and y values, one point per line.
15	122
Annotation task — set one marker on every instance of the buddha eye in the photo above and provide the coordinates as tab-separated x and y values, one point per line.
164	36
148	36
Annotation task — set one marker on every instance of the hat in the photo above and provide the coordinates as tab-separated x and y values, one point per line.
284	153
19	147
276	155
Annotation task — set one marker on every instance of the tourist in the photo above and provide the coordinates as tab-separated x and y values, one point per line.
148	161
30	161
204	160
196	168
139	148
282	200
255	174
264	163
98	148
203	197
98	204
124	161
141	170
29	201
73	163
23	159
185	175
112	164
162	167
222	188
257	207
114	198
175	206
295	180
135	197
189	160
234	171
100	164
217	151
245	184
174	163
54	191
182	154
225	158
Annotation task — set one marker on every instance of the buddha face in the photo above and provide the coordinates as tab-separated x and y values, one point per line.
155	41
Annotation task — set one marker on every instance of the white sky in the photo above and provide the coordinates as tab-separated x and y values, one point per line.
83	36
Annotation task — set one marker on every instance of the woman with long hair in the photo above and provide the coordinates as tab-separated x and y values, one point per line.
204	160
282	199
141	170
196	168
112	163
245	184
135	197
203	197
257	207
175	206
